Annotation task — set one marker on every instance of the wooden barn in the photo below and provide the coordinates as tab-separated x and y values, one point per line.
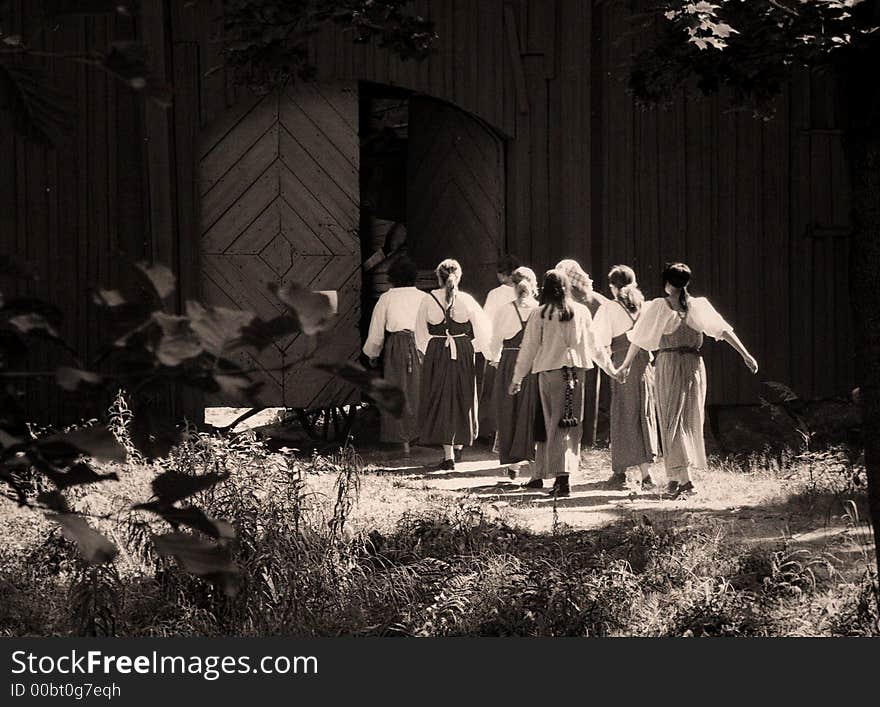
517	136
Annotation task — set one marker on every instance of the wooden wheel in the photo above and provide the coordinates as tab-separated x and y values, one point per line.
331	424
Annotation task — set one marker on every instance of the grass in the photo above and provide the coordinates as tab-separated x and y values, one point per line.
331	546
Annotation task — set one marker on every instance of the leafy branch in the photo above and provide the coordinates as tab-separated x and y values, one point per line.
153	348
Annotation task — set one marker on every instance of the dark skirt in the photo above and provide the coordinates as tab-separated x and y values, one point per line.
402	368
488	410
515	441
448	407
633	411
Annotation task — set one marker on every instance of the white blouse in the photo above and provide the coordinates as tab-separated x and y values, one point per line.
464	309
611	320
550	344
396	310
506	325
658	318
497	298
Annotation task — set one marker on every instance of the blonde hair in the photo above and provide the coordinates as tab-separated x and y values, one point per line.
449	275
629	295
525	282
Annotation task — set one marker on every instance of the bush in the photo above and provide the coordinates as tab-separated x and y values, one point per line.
304	569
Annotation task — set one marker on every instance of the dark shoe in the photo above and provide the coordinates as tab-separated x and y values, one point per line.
534	484
648	484
685	490
560	488
512	472
672	488
447	465
457	453
617	482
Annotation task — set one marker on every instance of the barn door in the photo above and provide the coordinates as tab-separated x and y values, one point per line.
279	184
455	197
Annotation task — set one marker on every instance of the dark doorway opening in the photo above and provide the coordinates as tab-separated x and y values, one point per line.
432	187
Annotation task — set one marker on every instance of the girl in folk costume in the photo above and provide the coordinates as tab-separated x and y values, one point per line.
597	385
557	347
450	327
633	414
674	327
392	329
515	439
497	299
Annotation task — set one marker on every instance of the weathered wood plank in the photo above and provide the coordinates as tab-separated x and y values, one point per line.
224	194
226	152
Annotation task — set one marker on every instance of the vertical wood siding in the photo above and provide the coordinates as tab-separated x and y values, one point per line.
73	211
758	209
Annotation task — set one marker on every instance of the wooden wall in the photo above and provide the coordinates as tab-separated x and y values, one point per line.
72	211
758	209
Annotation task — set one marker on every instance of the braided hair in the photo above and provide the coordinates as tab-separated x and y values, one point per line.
679	276
628	293
449	275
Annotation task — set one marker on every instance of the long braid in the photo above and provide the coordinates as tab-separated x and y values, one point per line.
449	275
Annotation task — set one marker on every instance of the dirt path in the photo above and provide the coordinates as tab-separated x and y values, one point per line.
757	506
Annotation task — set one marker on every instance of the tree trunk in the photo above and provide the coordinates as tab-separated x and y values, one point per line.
862	141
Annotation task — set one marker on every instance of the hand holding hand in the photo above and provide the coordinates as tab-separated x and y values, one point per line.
494	364
514	388
618	374
374	362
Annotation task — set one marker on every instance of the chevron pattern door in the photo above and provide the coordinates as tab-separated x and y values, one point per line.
456	192
279	185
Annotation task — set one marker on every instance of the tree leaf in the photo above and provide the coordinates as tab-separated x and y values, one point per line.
238	387
79	474
203	558
314	310
191	517
93	546
172	486
32	323
160	277
70	378
97	442
782	394
218	329
260	333
179	342
386	395
109	298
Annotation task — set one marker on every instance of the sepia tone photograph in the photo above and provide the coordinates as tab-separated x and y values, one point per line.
439	318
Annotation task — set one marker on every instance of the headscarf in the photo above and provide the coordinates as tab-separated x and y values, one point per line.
576	276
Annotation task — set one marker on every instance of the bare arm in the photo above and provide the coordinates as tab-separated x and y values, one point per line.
527	352
620	373
602	357
732	339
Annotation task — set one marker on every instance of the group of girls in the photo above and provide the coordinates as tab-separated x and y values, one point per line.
542	354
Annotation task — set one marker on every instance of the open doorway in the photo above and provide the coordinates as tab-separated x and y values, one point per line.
432	187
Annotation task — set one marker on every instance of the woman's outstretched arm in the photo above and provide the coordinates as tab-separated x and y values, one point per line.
731	338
